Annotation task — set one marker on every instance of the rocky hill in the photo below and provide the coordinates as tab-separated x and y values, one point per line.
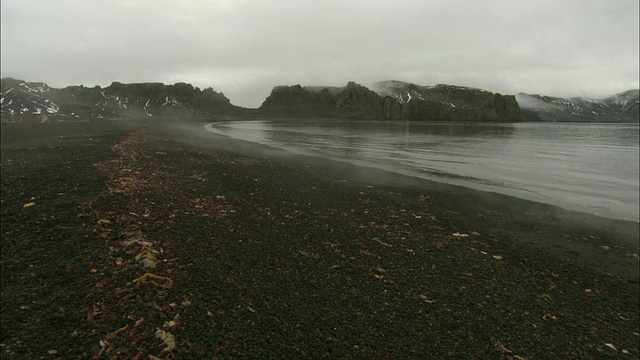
622	107
116	100
392	100
352	101
448	102
389	100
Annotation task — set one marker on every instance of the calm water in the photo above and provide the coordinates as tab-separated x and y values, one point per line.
585	167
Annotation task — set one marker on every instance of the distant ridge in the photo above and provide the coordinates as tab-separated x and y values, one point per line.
387	100
392	100
450	102
622	107
116	100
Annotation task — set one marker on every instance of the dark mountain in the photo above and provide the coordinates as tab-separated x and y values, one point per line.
392	100
448	102
116	100
622	107
352	101
18	97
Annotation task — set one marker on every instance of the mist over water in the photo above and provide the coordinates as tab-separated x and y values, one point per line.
591	168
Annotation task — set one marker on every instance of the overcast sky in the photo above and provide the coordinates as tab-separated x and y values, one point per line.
244	48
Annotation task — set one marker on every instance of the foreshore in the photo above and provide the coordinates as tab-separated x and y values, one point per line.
136	239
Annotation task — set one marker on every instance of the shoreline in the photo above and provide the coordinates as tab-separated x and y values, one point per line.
156	240
507	212
625	210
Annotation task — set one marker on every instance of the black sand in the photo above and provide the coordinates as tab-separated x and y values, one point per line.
250	253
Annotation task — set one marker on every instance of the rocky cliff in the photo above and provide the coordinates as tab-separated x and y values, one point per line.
392	100
352	101
116	100
448	102
389	100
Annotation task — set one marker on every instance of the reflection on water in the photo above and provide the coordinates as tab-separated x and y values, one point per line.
586	167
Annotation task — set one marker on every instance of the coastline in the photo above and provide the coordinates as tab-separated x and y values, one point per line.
260	253
583	234
579	187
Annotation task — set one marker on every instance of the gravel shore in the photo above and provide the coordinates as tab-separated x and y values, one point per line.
125	239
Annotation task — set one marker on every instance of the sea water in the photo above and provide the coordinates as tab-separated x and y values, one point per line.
591	168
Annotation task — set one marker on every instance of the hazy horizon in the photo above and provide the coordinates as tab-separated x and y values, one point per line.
244	48
369	86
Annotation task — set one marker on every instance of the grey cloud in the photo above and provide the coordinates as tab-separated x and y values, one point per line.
244	48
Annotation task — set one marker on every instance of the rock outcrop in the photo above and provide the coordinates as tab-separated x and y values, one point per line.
393	100
450	103
352	101
116	100
389	100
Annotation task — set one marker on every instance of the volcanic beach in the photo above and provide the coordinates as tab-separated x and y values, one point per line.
150	239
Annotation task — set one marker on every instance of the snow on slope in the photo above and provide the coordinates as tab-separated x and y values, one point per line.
620	107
